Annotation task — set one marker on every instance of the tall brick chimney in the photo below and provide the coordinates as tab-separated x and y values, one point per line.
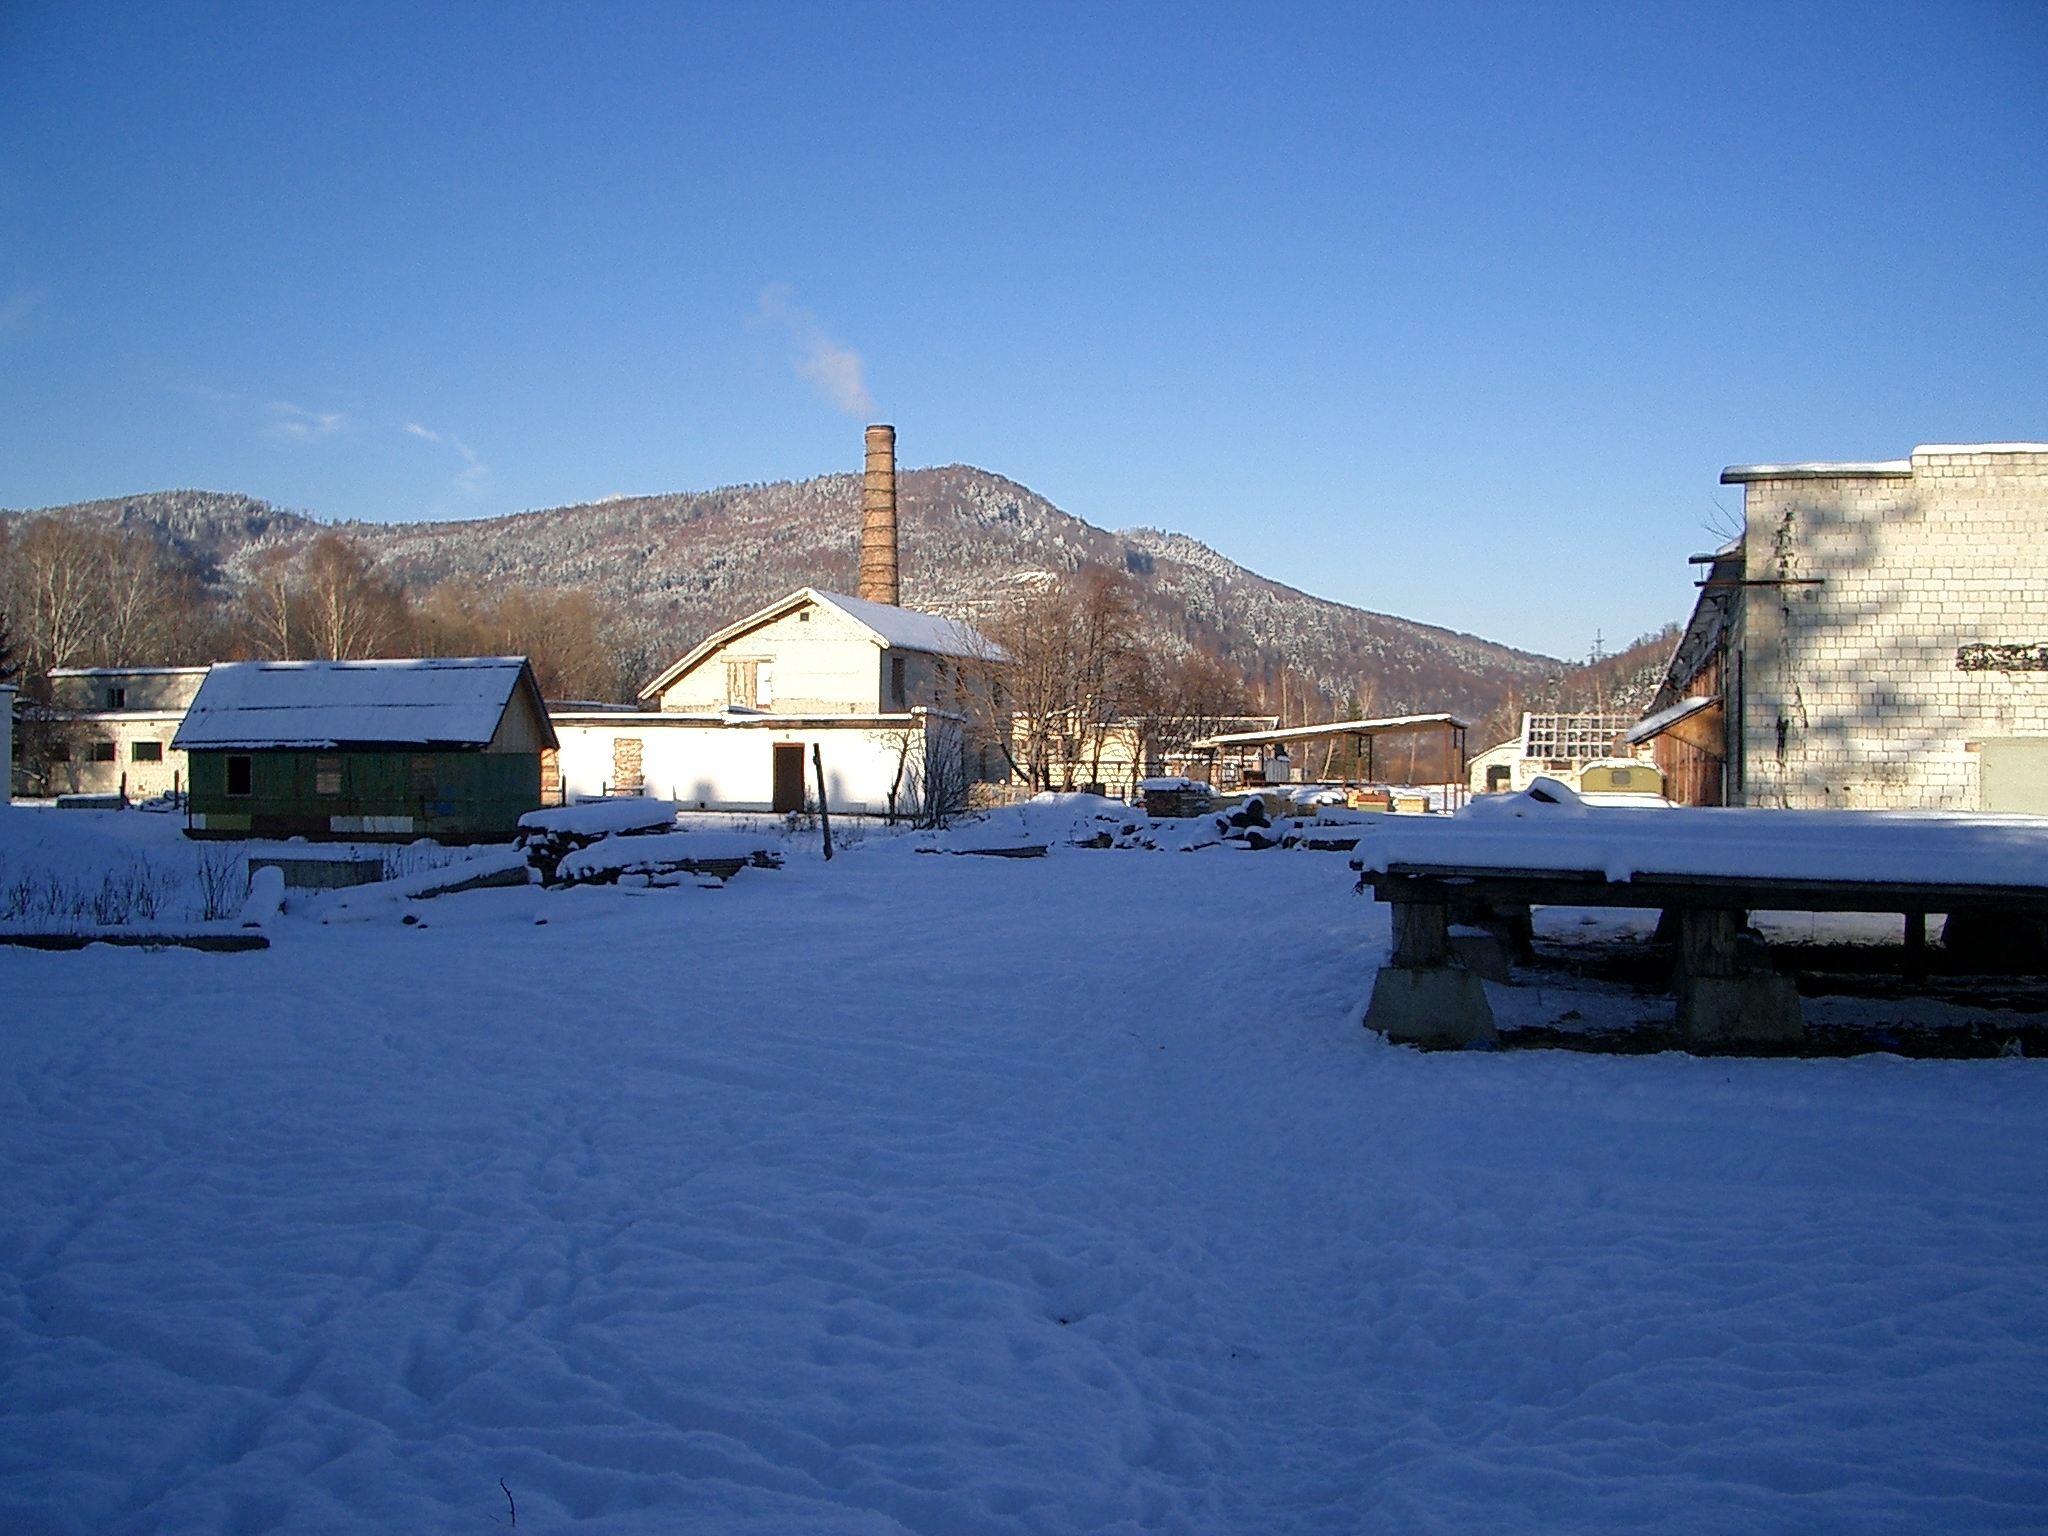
878	574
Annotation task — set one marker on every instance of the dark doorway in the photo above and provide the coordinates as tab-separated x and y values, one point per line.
789	777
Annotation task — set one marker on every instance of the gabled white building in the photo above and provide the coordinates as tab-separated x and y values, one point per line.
878	696
824	653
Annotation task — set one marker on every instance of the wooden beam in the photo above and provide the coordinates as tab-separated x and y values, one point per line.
1916	946
1422	935
1706	940
1591	888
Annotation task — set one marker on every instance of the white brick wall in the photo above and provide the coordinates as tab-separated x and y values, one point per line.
1861	670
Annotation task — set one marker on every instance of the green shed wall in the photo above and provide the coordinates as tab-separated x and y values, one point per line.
454	796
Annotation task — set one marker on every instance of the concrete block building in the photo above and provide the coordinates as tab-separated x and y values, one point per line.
1876	638
109	731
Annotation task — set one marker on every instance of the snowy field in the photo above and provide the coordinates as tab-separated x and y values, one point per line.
952	1194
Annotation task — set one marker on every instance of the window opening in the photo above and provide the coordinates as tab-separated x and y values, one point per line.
239	775
145	751
326	775
103	751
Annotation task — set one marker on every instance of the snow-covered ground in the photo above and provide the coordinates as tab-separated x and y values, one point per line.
974	1195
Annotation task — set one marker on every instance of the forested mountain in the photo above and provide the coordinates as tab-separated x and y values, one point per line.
676	567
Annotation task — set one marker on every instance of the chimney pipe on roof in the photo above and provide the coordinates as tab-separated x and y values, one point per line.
878	574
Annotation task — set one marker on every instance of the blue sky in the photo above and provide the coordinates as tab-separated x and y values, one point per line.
1452	313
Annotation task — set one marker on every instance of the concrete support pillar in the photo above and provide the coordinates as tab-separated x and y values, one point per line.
1717	999
1423	998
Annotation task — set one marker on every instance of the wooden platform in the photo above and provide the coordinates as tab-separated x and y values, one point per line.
1725	996
1446	884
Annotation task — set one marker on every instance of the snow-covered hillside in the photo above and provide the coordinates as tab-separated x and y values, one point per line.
954	1194
682	566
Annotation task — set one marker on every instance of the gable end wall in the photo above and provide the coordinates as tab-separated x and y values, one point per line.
1852	697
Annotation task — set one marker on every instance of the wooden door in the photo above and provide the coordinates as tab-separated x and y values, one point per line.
789	777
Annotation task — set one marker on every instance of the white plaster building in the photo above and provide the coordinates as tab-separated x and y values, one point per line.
884	695
1877	637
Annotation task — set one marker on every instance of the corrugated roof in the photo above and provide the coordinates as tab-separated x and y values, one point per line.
1393	725
454	701
1664	719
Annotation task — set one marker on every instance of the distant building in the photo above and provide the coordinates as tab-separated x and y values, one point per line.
1876	637
1553	746
886	696
448	748
107	731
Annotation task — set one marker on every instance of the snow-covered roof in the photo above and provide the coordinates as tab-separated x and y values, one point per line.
1394	725
1741	474
125	671
902	629
1552	828
1949	450
454	701
1664	719
906	629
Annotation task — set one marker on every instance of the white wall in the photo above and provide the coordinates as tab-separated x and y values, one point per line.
143	780
1853	692
729	765
821	664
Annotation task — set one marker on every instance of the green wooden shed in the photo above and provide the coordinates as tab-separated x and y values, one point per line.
366	751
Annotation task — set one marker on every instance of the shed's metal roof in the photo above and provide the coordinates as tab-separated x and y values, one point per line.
1394	725
454	701
1664	719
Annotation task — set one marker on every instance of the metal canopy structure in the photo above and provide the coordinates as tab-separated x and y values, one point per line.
1363	733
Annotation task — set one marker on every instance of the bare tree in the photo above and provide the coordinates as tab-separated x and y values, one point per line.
55	575
942	794
351	612
1185	698
271	611
1074	672
567	636
85	596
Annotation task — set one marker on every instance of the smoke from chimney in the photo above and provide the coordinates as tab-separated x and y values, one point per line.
878	573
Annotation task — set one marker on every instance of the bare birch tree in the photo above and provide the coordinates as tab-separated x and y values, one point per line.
351	612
